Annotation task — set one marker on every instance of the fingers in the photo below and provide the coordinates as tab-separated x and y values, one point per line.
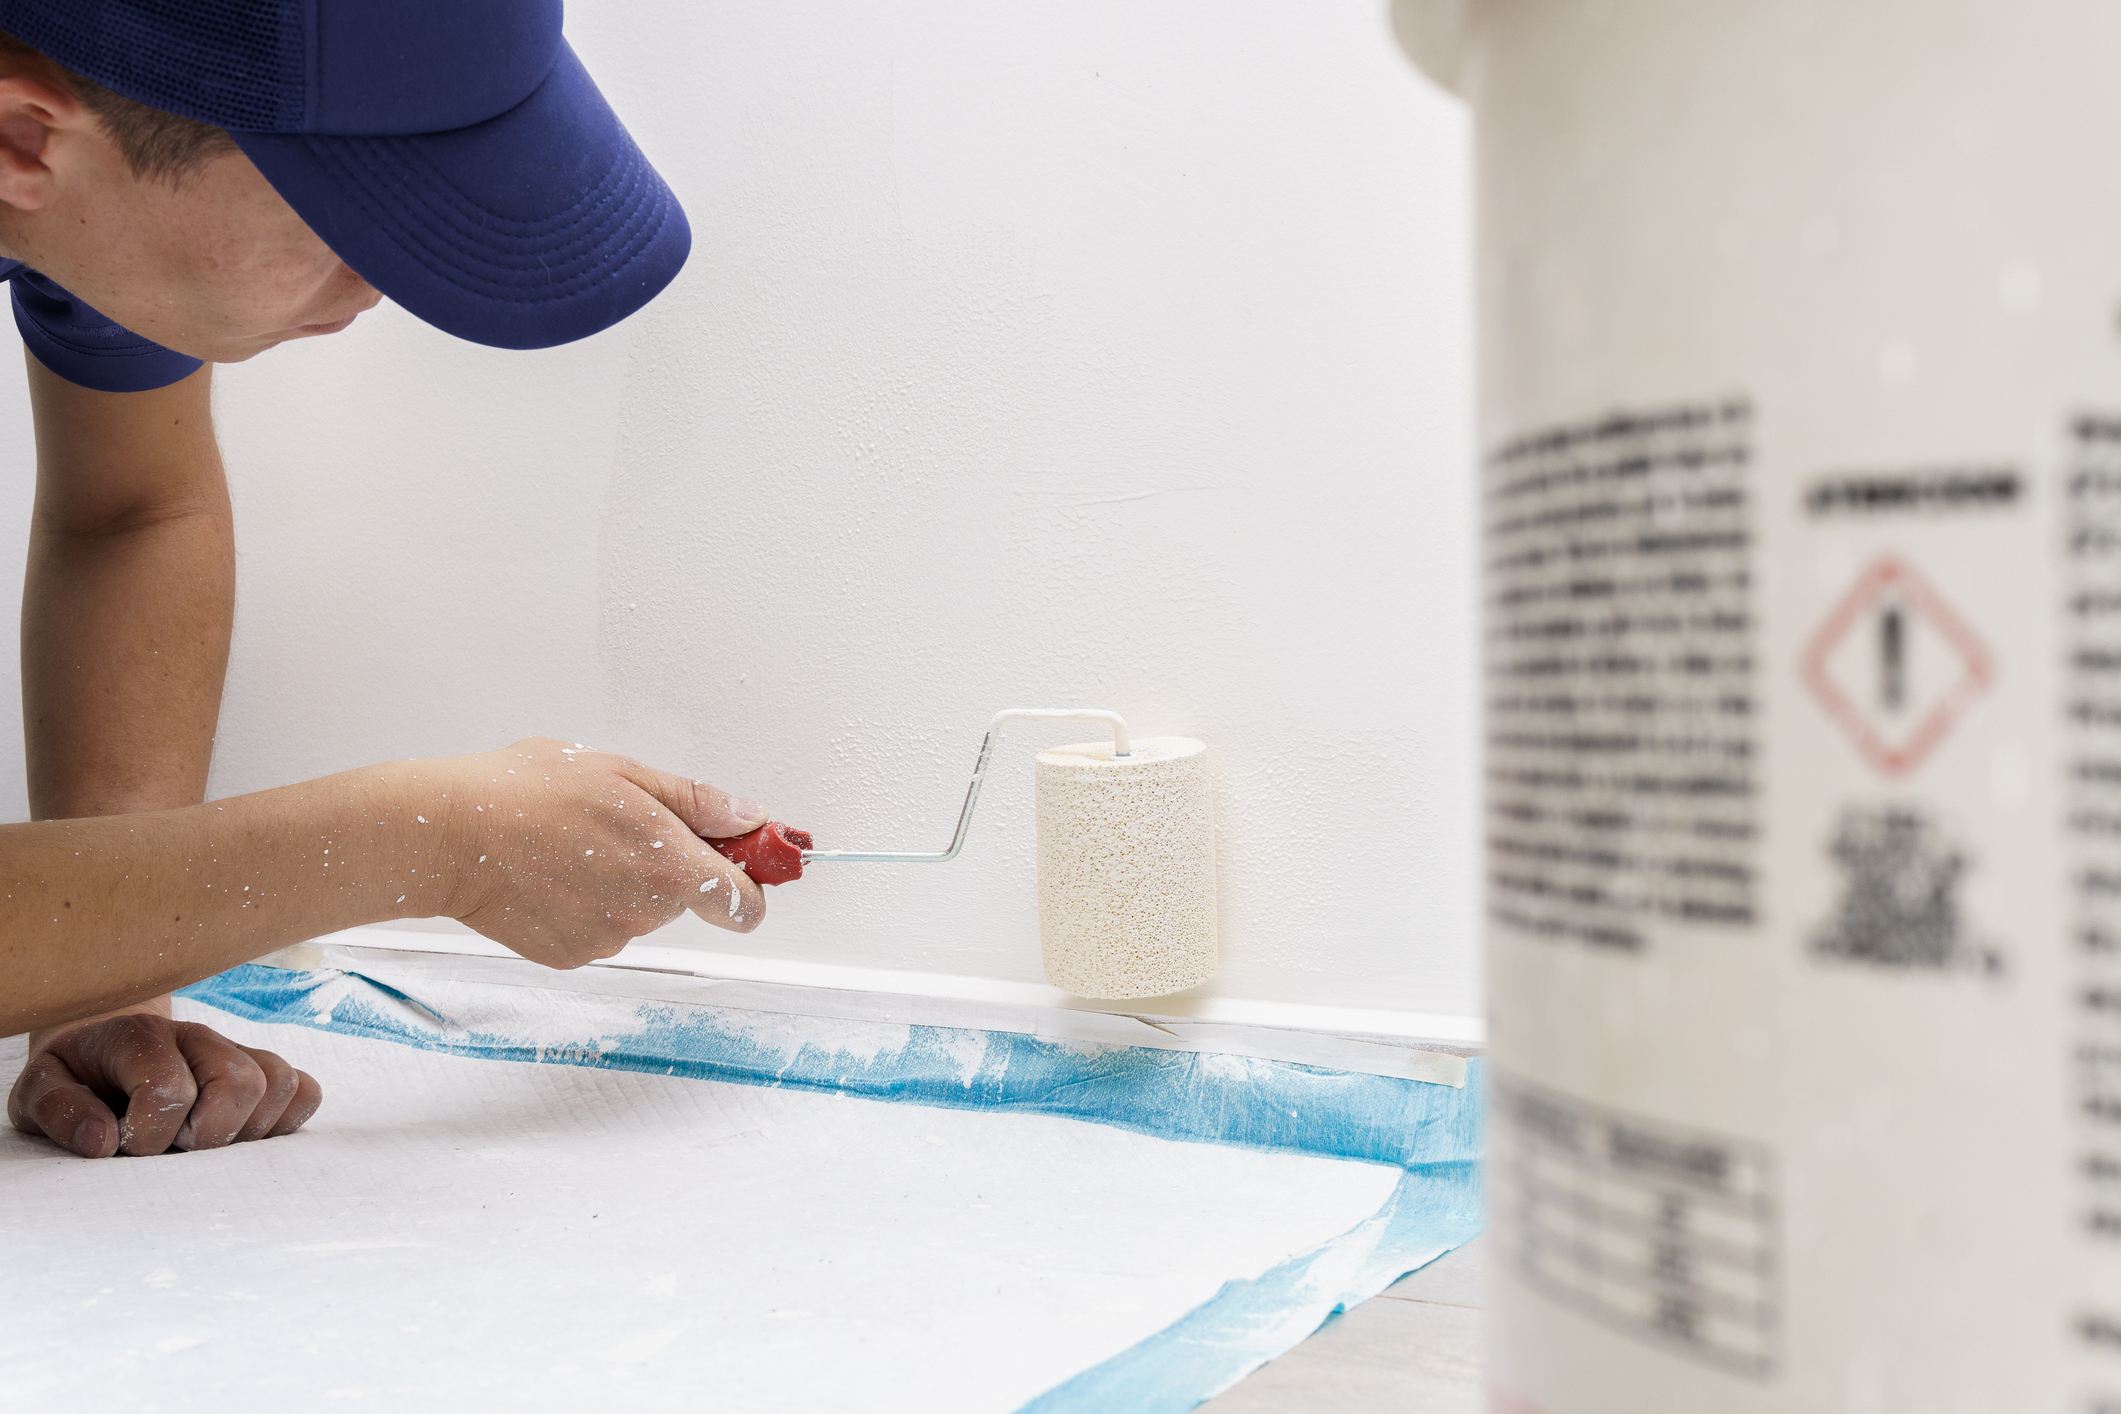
583	863
133	1056
180	1085
244	1093
291	1097
308	1096
47	1100
707	811
727	897
230	1085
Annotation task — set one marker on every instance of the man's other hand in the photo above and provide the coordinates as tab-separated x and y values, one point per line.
140	1083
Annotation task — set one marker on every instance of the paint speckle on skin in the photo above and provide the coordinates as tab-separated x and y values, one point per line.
657	845
709	884
482	859
401	898
589	851
421	818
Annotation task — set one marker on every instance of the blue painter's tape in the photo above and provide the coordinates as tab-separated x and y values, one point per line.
1187	1095
1431	1132
1247	1323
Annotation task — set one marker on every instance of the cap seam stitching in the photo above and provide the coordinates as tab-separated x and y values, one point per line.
385	198
429	245
348	151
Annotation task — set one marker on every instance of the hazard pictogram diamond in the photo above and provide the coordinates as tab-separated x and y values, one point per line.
1895	667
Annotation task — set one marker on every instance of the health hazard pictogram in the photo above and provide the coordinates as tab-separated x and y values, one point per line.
1895	666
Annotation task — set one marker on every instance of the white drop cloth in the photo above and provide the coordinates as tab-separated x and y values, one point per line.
453	1233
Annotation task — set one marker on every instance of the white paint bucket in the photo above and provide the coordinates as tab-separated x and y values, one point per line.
1801	401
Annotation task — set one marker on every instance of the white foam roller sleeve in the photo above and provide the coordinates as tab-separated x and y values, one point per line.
1126	867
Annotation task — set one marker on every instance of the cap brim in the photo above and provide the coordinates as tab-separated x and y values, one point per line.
540	226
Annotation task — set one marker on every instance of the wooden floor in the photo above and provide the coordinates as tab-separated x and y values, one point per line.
1413	1349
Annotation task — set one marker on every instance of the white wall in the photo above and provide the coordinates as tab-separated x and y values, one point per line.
1092	353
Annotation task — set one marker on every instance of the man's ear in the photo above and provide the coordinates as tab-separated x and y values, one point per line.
31	109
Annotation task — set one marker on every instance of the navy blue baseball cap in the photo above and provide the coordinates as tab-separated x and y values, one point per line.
453	152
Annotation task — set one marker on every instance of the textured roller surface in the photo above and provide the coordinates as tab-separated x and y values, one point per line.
1126	867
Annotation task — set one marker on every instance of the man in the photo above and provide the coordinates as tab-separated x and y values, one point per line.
186	182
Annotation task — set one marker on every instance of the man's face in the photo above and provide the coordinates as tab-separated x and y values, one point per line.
215	265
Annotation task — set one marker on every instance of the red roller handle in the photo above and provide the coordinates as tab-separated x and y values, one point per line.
771	854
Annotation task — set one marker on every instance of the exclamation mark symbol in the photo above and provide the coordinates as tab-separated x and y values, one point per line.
1892	658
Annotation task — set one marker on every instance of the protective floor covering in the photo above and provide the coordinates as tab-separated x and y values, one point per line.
528	1198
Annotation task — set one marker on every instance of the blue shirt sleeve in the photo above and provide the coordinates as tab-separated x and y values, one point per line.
82	346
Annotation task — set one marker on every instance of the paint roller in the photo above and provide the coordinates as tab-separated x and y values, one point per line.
1126	857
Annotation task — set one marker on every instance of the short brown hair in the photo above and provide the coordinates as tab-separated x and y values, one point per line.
157	145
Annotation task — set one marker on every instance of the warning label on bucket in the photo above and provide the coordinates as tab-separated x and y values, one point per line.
1895	666
1899	906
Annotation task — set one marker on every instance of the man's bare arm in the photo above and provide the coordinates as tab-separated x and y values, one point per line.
128	598
127	601
126	614
126	610
560	853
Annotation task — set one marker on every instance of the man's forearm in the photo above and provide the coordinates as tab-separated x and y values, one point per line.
100	913
557	851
